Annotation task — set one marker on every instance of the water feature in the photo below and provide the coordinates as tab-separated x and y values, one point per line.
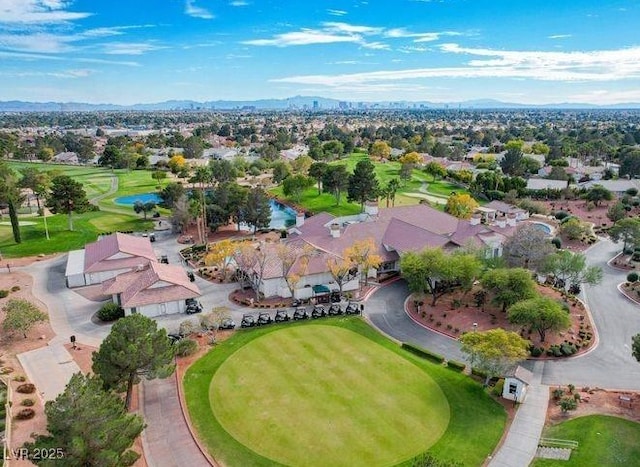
546	228
144	197
282	216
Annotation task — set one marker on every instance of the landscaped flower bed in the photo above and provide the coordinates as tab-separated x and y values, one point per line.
456	313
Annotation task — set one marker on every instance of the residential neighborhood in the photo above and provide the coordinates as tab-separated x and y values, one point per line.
282	233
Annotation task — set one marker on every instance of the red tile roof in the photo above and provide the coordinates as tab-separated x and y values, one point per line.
117	251
157	283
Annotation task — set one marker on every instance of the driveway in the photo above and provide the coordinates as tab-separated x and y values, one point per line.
610	365
385	310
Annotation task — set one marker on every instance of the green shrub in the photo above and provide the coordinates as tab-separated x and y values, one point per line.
3	293
424	353
20	378
560	215
496	390
478	372
27	402
554	351
632	277
456	366
568	403
557	242
568	349
558	393
185	347
110	312
536	351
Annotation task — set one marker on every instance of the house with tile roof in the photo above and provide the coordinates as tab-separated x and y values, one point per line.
154	289
109	256
394	230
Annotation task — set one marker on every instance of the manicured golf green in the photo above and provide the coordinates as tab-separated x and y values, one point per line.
325	395
334	392
604	441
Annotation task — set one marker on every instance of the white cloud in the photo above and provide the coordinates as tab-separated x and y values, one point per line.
376	45
33	57
37	43
419	36
336	12
304	37
37	11
239	3
602	65
351	28
197	12
559	36
111	31
130	48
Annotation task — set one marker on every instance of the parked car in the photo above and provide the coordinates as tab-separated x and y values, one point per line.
318	311
301	313
193	306
352	309
335	309
227	323
264	318
248	321
281	316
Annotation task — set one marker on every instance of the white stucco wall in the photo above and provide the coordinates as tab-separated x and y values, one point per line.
159	309
521	389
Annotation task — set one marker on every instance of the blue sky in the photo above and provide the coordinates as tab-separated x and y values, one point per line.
140	51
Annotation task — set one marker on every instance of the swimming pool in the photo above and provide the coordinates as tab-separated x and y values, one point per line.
144	197
546	228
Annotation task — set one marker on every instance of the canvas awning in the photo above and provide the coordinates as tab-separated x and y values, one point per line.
320	289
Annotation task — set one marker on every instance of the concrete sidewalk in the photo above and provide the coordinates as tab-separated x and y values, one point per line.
167	440
520	446
50	368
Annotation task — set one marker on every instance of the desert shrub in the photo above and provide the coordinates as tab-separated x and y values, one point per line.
185	347
187	327
560	215
3	293
110	312
424	353
557	242
533	207
26	388
25	414
20	378
568	403
568	349
558	393
536	351
554	351
632	277
15	288
27	402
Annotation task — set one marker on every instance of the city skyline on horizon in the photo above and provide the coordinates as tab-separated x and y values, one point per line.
369	51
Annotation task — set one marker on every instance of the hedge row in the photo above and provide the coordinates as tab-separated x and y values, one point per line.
424	353
456	366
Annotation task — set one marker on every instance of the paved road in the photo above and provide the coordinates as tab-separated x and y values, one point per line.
385	309
610	365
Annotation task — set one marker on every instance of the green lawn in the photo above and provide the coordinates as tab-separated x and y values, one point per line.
112	217
96	180
87	226
604	441
325	202
334	392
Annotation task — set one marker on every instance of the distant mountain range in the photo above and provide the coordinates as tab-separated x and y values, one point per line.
292	103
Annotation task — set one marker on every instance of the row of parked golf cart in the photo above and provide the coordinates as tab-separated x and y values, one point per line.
300	313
